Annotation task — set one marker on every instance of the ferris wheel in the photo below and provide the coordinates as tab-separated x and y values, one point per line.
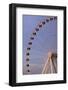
42	39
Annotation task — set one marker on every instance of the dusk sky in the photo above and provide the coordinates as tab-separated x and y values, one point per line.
45	41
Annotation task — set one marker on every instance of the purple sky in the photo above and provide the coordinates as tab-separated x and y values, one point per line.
45	41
